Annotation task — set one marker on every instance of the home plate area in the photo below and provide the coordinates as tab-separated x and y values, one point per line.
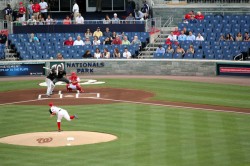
60	95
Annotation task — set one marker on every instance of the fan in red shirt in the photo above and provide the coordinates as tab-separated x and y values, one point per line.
74	83
69	42
117	40
188	15
36	9
199	16
21	12
176	31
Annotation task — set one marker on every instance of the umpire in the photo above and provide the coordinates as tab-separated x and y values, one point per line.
60	77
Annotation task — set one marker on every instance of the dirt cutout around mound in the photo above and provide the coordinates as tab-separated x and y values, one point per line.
56	139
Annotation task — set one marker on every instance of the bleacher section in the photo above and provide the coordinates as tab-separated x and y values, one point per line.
52	43
211	28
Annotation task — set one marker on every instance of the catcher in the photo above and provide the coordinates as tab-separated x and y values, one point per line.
74	83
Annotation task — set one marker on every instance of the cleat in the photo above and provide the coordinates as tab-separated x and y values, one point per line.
59	130
76	116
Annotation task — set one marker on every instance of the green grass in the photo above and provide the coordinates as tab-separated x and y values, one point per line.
148	135
180	91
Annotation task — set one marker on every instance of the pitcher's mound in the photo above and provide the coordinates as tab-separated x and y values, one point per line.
55	139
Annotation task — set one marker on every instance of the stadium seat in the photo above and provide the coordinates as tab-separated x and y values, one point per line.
168	56
177	56
188	56
198	56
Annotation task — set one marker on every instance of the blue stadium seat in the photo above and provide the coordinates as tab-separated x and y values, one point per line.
198	56
168	56
177	56
210	56
188	56
219	56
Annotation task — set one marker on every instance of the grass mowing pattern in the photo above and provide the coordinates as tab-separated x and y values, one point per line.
148	136
171	90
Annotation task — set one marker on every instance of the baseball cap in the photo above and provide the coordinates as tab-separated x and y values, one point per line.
50	104
115	14
20	3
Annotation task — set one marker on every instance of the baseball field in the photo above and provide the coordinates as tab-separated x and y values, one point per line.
157	122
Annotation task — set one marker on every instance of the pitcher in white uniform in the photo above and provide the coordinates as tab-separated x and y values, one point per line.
61	113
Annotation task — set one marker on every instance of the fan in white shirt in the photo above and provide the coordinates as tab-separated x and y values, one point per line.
78	42
126	54
199	37
79	19
96	41
75	10
97	53
44	8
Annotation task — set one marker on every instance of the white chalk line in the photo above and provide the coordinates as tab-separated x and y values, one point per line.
135	102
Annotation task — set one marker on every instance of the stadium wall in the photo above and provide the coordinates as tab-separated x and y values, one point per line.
129	67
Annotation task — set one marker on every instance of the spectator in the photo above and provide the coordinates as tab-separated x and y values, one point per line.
238	37
107	41
114	35
229	37
33	38
44	9
136	41
168	41
122	35
7	15
130	19
190	49
126	53
36	9
170	49
59	56
21	12
32	21
88	33
185	21
125	41
49	20
98	33
97	54
79	19
87	54
67	21
191	36
172	37
145	9
117	41
3	39
98	5
186	32
222	38
40	20
69	42
17	22
29	8
78	41
107	20
176	31
182	36
188	15
180	50
199	16
192	20
107	33
246	37
87	41
106	53
116	53
96	41
199	37
75	10
115	19
160	49
139	15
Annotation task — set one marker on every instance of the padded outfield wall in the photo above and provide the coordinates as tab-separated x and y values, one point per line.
129	67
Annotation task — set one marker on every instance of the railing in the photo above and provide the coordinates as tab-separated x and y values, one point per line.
224	12
153	24
168	22
203	1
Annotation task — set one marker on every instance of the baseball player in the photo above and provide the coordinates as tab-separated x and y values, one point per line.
49	81
60	76
61	113
74	83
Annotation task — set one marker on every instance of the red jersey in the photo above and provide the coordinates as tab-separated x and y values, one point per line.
199	17
119	42
69	43
36	8
188	16
22	10
177	33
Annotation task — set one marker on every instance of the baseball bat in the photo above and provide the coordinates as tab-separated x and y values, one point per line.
47	68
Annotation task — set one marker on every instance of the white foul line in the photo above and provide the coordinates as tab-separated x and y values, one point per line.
175	106
25	101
